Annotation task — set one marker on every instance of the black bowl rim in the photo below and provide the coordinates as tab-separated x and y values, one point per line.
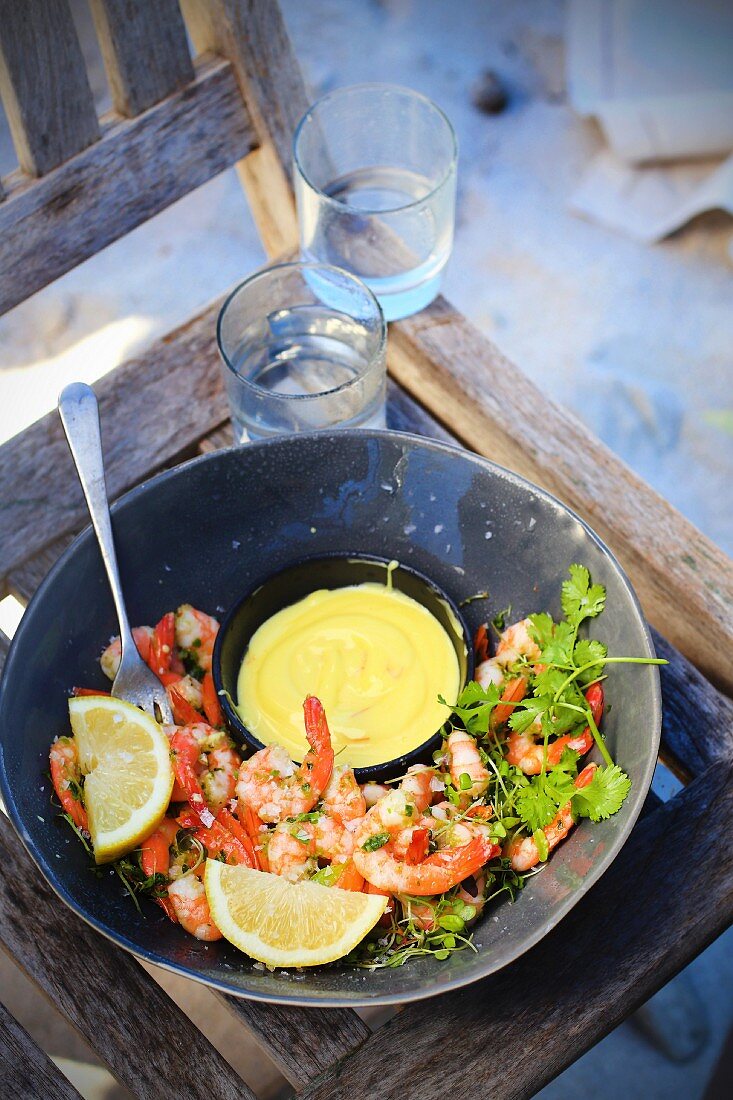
637	797
373	772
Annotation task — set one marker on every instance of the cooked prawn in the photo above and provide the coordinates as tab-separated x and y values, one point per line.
212	760
269	781
155	858
196	632
489	672
343	798
373	792
376	845
420	785
516	642
110	659
66	779
465	760
294	847
436	874
188	898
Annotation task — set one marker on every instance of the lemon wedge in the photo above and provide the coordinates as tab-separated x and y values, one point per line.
125	757
283	923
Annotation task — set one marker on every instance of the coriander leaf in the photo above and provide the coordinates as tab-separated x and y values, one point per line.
558	650
542	629
535	807
566	716
581	599
550	681
373	843
568	762
587	650
539	801
528	711
474	706
604	794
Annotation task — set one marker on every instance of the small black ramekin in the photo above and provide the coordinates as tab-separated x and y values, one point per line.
309	575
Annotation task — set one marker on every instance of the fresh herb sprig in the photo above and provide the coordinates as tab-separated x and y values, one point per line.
555	704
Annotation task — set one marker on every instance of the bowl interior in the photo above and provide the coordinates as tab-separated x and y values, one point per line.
331	571
221	525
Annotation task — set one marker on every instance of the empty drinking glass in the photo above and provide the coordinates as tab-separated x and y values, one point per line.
375	180
303	347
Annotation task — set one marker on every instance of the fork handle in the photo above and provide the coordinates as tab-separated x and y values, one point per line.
79	413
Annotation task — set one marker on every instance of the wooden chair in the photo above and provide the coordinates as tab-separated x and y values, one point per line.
85	181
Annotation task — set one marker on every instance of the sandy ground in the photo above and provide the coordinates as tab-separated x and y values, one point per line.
636	339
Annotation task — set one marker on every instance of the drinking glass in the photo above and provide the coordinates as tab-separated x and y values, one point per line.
303	347
375	182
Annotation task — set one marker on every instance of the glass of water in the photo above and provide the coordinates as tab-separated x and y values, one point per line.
303	347
375	181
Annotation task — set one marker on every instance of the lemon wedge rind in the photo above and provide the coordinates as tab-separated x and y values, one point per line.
125	758
286	924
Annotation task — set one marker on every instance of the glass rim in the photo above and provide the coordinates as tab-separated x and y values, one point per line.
302	265
373	86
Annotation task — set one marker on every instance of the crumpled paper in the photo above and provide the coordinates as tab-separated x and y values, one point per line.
657	75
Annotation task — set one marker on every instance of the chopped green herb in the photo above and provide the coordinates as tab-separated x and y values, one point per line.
372	843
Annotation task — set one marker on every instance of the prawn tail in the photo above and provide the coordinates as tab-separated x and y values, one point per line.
320	757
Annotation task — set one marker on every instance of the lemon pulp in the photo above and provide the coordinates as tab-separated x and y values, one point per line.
282	923
125	758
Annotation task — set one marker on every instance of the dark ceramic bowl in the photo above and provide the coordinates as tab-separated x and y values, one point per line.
222	524
297	581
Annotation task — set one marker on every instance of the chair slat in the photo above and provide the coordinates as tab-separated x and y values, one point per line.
144	49
27	577
172	393
697	720
139	167
301	1042
252	35
666	897
25	1071
43	84
684	581
144	1038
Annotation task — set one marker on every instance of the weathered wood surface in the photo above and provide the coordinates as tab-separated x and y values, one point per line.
697	720
138	168
652	911
145	1039
24	580
173	395
252	35
144	49
302	1042
25	1071
684	581
43	84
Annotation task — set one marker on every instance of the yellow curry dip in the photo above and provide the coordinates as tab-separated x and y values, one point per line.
375	658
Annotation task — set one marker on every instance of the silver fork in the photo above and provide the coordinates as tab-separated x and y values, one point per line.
79	411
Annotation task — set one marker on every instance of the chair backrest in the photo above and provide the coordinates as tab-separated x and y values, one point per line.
84	181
